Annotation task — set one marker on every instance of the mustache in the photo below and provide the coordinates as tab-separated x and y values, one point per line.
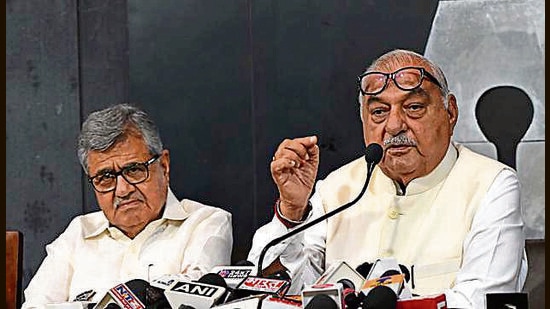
399	140
135	196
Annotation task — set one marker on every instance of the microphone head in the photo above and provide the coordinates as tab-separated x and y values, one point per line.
374	153
390	272
346	283
244	263
405	272
351	300
381	297
281	275
139	288
213	279
364	269
112	306
217	280
321	301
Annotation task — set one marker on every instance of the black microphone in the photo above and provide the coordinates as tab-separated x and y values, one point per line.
405	272
244	263
155	298
217	280
381	297
321	301
373	155
364	269
112	306
351	299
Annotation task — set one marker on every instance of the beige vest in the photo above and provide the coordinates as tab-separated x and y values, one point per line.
425	227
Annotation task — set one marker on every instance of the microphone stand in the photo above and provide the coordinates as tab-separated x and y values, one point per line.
370	168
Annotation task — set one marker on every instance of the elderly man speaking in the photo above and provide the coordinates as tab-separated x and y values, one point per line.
142	231
453	214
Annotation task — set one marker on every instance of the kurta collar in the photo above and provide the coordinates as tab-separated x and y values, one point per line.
96	223
427	182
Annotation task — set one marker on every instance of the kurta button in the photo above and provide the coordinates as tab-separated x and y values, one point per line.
393	214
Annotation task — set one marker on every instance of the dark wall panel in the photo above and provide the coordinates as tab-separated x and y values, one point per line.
189	68
63	60
103	61
43	179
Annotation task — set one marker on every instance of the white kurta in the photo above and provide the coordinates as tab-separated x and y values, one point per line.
190	238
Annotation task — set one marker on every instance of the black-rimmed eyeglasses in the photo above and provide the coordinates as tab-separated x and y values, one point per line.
407	78
134	173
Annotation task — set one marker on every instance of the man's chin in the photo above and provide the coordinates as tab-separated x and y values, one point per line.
397	166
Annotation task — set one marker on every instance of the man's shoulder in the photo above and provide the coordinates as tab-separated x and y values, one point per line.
85	225
195	208
468	156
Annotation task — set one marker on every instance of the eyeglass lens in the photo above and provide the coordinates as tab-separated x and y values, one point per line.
133	174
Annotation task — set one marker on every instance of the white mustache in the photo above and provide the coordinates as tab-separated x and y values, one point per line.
118	200
399	140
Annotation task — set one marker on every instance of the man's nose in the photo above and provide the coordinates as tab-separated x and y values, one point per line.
396	123
123	187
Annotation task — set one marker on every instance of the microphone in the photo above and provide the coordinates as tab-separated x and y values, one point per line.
373	155
155	298
244	263
125	295
380	297
321	301
330	290
364	269
387	271
341	272
351	299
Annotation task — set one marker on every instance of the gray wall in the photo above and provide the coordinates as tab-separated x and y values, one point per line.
63	60
225	80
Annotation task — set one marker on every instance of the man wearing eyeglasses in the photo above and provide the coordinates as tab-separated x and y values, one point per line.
142	231
450	215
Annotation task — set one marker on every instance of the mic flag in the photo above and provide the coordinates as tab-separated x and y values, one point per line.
234	275
129	295
341	272
195	294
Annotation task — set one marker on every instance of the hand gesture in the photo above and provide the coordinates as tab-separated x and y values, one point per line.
294	168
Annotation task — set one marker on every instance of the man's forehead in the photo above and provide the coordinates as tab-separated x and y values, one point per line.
130	148
392	65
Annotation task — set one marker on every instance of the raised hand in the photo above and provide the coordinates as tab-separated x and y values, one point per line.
294	169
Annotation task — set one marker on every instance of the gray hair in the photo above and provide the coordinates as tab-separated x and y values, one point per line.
103	128
400	56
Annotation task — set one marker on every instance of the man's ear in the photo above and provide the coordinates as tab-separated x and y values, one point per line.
165	163
452	111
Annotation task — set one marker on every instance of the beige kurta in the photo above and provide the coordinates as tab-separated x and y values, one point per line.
425	227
